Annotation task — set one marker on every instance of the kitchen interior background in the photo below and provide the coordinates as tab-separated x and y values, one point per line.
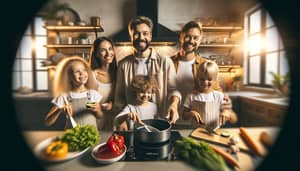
239	35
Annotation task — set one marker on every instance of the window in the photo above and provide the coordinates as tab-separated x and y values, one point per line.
264	52
27	71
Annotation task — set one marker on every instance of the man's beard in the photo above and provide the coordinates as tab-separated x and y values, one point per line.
138	47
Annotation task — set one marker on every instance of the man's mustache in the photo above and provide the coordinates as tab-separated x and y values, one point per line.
139	41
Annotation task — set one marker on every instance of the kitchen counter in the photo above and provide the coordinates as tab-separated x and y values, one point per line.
268	98
85	161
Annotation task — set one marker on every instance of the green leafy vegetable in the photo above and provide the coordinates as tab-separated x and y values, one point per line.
81	137
199	154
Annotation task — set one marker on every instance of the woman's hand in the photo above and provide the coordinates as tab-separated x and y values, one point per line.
107	106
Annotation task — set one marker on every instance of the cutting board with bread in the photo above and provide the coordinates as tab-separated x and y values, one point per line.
246	141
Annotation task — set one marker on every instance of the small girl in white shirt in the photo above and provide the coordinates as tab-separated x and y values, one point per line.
75	94
204	104
143	87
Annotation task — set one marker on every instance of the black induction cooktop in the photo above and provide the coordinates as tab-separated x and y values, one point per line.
137	151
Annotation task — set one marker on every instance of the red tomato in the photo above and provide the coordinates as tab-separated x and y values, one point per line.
115	143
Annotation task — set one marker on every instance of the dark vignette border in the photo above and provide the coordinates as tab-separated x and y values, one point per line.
16	15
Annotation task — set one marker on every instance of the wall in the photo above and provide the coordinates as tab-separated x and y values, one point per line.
115	14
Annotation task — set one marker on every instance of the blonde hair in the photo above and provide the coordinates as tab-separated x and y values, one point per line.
62	79
144	83
208	68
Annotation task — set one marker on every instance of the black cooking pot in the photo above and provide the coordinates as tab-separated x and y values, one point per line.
152	151
163	133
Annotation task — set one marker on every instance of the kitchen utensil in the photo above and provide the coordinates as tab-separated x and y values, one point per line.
202	134
154	137
148	128
69	116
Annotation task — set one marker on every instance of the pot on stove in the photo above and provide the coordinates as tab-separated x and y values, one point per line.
152	151
153	137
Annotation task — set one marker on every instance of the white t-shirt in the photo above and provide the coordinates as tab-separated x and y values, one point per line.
141	67
208	105
105	90
94	97
185	79
148	111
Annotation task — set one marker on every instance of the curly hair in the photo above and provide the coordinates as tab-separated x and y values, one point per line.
62	78
142	83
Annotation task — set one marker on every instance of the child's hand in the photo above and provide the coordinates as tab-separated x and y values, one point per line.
197	117
122	127
134	116
95	108
68	109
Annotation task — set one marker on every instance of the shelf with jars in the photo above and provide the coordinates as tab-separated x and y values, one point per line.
221	36
71	36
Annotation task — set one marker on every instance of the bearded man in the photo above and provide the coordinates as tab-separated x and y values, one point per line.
187	62
146	61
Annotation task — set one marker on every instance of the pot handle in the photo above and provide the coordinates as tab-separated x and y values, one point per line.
166	119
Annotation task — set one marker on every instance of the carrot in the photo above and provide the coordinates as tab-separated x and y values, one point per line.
257	149
266	139
232	161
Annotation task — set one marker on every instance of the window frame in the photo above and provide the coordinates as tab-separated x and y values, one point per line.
263	53
31	33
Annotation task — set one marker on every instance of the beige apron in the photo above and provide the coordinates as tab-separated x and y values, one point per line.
81	114
209	112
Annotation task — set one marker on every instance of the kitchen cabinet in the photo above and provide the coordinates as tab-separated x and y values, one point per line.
66	39
253	112
222	44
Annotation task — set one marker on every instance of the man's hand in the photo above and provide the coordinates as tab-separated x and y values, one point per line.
172	114
226	104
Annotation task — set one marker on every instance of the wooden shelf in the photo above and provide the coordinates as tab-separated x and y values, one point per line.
219	45
68	46
75	28
228	68
221	28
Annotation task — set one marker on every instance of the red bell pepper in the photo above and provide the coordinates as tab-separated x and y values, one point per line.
115	143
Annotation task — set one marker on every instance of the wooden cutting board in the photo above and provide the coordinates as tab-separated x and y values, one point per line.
202	134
